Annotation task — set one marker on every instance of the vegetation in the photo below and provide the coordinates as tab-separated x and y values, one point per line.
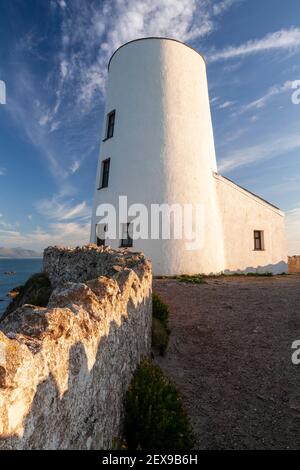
154	415
200	278
36	291
160	324
193	279
160	310
267	274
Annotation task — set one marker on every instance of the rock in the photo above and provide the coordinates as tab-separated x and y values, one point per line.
14	292
65	368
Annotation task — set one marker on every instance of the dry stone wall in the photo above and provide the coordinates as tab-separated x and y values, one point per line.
65	369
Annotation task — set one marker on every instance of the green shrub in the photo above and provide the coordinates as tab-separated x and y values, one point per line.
160	310
160	336
160	324
36	291
154	415
266	274
193	279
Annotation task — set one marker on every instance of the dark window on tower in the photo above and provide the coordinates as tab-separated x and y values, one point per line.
105	173
110	124
100	235
126	240
100	241
258	240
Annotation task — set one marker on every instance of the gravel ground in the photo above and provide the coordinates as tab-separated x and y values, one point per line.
230	357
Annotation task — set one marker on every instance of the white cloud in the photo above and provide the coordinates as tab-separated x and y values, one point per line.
222	6
98	30
64	68
68	224
75	166
271	147
214	100
62	4
66	234
273	91
2	171
6	225
44	119
9	233
53	115
59	209
285	39
225	105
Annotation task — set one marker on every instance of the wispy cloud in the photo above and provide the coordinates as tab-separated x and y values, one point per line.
9	233
67	223
2	171
68	234
59	209
271	147
62	4
75	166
6	225
223	6
92	32
61	127
285	39
214	100
225	105
263	100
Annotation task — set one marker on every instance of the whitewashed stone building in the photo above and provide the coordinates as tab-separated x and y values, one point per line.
158	148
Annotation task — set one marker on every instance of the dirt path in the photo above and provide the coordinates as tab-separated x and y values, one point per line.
230	357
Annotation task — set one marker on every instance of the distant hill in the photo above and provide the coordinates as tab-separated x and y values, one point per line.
18	253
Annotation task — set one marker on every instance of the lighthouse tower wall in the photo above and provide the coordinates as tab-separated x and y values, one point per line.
162	149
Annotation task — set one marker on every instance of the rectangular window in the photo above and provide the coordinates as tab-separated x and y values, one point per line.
258	240
110	124
105	173
100	234
100	242
126	240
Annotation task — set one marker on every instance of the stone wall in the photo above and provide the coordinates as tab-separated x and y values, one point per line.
65	369
294	264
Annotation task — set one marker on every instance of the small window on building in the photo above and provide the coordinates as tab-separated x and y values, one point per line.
100	234
126	240
258	240
105	173
100	242
110	124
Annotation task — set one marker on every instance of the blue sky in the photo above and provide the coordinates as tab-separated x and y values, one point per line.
53	57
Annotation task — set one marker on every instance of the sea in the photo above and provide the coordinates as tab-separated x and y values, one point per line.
22	269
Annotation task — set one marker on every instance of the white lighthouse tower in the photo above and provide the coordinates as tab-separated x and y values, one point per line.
158	150
158	147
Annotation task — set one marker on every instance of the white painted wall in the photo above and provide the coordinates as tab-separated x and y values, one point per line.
162	150
242	213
